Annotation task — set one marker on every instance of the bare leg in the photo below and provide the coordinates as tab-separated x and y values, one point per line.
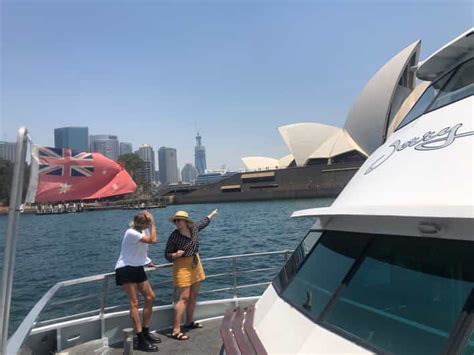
179	307
193	293
147	292
131	290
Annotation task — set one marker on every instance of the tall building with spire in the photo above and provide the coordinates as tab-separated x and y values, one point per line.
200	156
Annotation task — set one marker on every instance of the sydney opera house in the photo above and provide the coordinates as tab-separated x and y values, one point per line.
321	158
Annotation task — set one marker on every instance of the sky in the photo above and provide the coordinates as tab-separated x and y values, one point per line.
158	72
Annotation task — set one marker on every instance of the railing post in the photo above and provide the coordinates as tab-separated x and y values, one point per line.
59	341
128	341
286	255
102	307
10	238
234	275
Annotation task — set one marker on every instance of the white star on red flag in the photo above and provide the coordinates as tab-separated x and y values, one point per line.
64	188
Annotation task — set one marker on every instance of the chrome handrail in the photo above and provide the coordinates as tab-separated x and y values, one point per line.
16	193
18	338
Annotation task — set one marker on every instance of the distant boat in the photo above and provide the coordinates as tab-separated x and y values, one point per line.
143	207
59	209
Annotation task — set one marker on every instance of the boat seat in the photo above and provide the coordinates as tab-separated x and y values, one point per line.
238	333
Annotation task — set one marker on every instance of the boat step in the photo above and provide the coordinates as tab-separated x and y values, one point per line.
238	332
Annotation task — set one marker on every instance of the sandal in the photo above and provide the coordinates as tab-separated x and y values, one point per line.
179	336
193	325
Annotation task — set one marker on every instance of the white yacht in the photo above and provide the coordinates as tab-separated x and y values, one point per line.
387	268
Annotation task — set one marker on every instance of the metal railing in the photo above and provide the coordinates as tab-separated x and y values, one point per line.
30	321
10	238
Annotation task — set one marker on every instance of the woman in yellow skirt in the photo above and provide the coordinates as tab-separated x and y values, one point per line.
182	249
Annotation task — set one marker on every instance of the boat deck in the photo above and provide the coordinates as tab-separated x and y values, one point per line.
206	340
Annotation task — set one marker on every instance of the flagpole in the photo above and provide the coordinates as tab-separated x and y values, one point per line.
10	239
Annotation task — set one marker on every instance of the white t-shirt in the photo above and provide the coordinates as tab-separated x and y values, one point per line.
134	252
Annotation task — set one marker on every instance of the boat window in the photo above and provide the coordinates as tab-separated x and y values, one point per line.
323	271
424	101
296	259
406	295
460	86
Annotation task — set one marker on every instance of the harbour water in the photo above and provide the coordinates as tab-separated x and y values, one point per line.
54	248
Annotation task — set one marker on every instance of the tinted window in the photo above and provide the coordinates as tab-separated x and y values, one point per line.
295	260
461	85
323	271
424	101
407	294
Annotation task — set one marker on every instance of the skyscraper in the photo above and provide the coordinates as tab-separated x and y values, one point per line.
75	138
8	151
189	174
168	165
125	148
200	156
105	144
146	173
147	154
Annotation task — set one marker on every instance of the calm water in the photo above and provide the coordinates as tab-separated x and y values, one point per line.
60	247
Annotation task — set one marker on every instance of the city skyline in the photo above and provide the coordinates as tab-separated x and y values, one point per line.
120	149
286	63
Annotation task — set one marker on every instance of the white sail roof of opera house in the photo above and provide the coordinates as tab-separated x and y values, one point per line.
379	101
339	143
286	160
316	140
266	163
367	124
256	163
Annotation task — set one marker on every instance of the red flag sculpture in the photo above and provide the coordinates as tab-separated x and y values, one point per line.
65	175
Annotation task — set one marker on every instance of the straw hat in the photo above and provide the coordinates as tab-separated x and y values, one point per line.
181	215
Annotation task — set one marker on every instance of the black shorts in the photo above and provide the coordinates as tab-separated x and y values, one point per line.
130	274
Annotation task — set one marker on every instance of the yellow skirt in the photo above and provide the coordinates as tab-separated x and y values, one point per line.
184	274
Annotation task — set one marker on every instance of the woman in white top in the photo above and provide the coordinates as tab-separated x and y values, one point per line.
130	274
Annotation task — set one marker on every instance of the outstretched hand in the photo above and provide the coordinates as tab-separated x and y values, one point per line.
213	214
